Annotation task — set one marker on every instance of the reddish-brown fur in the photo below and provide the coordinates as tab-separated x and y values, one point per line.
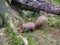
41	20
31	26
28	26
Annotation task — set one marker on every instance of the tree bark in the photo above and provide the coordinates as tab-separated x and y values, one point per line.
9	15
37	6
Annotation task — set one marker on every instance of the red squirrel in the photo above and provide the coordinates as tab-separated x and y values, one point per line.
30	26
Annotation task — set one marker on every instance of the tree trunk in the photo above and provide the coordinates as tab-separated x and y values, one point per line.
37	6
9	14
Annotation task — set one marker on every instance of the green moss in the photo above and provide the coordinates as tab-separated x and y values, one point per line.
13	39
30	39
57	1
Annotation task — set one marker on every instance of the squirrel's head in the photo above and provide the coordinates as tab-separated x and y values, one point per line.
20	25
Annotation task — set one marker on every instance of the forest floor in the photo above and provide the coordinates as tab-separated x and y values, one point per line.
50	37
45	35
3	38
41	37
